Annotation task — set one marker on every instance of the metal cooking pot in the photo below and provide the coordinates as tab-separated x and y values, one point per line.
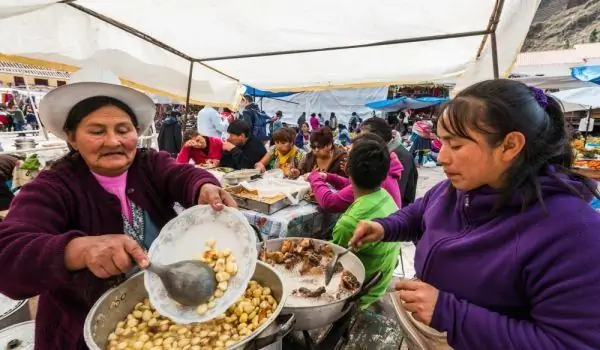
235	177
18	337
319	316
13	311
114	306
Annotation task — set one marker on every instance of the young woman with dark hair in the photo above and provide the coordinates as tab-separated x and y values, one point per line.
324	156
508	245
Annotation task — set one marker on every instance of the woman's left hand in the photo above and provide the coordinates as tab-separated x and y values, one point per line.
419	299
216	197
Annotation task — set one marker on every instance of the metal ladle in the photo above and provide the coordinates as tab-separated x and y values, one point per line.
330	269
188	282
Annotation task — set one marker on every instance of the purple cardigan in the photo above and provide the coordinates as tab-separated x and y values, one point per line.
337	202
67	202
515	280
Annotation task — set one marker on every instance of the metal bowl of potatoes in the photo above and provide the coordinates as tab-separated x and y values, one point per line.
123	318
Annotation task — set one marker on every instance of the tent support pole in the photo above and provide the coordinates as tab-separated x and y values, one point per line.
335	48
187	96
494	55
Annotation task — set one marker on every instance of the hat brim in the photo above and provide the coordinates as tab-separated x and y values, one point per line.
56	105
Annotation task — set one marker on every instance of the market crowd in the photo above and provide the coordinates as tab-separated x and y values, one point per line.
507	246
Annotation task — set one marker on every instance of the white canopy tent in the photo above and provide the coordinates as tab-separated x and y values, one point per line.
586	96
203	49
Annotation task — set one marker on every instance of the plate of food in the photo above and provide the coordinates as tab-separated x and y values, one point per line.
224	240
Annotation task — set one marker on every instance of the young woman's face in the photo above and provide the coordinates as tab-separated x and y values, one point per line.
471	164
322	152
107	140
283	147
200	142
304	128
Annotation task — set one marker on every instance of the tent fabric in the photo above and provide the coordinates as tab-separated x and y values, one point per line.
268	94
53	32
587	96
405	103
586	73
340	101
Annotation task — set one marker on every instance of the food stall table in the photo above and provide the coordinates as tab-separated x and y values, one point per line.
302	220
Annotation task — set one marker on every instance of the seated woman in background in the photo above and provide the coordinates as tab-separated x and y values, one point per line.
368	168
324	155
201	149
303	137
339	200
283	155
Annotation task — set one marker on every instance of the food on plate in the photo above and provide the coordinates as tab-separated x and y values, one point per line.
145	328
224	169
302	263
223	262
249	194
310	197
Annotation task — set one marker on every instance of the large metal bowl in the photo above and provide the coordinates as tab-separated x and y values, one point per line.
314	317
114	306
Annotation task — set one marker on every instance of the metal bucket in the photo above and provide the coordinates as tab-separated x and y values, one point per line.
13	311
18	337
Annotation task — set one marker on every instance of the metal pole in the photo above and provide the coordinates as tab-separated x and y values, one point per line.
494	55
35	111
587	126
334	48
187	97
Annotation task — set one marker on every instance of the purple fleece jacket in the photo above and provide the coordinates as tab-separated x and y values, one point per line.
515	280
67	202
337	202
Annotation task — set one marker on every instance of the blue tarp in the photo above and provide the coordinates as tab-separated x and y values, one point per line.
262	93
405	103
586	73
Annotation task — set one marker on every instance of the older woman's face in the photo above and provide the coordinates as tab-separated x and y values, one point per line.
107	140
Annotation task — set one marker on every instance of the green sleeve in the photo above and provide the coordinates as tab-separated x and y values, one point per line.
343	230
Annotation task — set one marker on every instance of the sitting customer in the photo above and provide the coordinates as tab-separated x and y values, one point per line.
338	200
283	155
242	150
368	167
324	155
199	148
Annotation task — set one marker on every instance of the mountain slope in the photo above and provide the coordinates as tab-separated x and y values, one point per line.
556	26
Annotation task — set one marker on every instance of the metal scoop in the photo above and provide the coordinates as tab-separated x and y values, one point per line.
330	269
188	282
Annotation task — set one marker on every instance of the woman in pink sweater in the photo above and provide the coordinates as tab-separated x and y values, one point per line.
338	201
201	149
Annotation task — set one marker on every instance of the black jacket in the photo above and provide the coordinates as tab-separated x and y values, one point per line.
169	137
248	114
245	156
410	176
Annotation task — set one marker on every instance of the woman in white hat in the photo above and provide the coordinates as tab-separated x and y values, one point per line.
79	227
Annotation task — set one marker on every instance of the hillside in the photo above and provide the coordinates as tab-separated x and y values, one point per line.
560	24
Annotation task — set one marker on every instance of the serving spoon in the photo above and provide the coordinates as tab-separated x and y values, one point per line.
330	269
188	282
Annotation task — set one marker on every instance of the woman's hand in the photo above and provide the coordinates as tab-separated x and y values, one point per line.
323	176
106	255
419	299
216	197
366	232
259	166
294	173
189	143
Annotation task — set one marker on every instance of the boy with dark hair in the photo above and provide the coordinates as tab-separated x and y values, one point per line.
241	150
367	167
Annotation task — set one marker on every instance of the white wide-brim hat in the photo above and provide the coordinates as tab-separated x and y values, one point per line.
92	82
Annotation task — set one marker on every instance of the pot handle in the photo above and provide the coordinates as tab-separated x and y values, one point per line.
366	287
258	234
286	323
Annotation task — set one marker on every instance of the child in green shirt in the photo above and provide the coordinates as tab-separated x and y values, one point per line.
367	167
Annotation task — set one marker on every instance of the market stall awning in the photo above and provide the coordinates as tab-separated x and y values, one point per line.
405	103
268	94
268	44
587	96
586	73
